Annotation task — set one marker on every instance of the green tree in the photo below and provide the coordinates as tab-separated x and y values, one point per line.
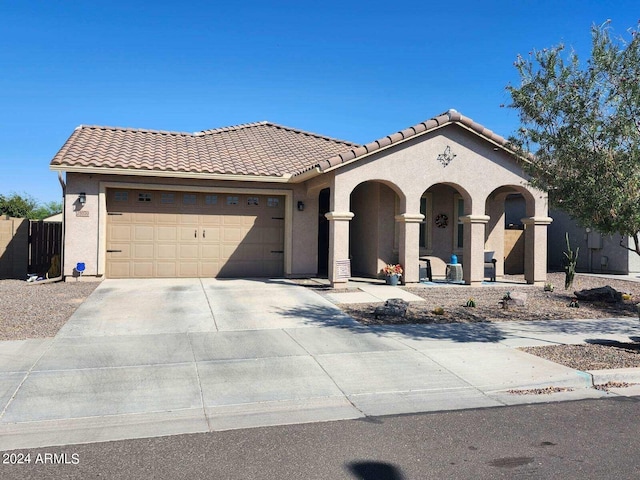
25	206
580	129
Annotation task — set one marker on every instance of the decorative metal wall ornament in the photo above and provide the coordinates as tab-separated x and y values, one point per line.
441	220
446	157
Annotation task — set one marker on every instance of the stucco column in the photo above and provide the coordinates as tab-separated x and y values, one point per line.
338	244
535	249
474	248
409	245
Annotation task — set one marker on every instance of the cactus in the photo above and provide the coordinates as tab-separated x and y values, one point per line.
470	303
574	303
570	261
548	287
438	311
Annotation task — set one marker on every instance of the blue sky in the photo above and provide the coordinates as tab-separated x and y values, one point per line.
352	70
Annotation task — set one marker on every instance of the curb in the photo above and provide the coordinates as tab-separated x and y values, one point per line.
628	375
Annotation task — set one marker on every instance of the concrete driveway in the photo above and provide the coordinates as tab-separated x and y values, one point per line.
159	357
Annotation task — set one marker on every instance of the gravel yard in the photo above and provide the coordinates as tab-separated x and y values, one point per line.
38	310
541	305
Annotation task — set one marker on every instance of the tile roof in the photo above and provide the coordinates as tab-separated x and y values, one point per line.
448	117
262	149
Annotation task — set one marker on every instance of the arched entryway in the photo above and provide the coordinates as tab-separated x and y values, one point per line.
442	230
373	232
508	207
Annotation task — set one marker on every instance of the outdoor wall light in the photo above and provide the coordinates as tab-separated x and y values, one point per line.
82	198
300	206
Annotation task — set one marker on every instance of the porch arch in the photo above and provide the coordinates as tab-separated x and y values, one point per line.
374	236
516	231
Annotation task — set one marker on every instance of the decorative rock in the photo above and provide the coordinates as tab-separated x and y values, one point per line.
518	299
394	307
601	294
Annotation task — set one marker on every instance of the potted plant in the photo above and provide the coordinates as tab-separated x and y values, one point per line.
392	273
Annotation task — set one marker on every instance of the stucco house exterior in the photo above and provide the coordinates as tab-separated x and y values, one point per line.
264	200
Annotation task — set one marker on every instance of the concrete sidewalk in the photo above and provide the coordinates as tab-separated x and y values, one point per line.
163	357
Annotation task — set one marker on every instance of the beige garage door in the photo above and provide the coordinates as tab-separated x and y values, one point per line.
182	234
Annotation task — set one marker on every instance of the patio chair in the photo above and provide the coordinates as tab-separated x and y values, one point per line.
490	262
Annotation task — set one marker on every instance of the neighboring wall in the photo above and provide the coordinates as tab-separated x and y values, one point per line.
14	247
598	253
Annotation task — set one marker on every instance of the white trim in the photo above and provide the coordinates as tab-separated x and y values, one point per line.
410	218
102	218
339	216
536	220
475	218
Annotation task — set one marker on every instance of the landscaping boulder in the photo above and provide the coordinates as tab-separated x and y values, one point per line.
518	299
394	307
601	294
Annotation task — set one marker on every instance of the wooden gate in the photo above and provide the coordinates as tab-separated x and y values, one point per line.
45	241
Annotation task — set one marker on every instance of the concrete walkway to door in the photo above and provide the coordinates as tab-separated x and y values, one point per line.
144	358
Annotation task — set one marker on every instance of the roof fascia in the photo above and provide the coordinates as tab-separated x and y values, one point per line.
163	173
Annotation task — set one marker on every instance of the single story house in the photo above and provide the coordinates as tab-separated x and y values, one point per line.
264	200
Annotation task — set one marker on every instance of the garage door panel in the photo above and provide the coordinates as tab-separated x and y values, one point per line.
120	233
142	269
166	233
167	251
253	235
188	252
167	218
210	220
156	239
209	269
232	233
120	251
210	252
166	269
116	269
210	234
143	217
189	233
189	219
188	269
143	251
143	233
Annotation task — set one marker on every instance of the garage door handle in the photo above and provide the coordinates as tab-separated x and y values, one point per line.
195	233
114	251
204	234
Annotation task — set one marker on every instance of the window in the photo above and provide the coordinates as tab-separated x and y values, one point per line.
425	227
232	200
273	202
144	197
458	226
189	199
211	199
252	200
167	198
121	196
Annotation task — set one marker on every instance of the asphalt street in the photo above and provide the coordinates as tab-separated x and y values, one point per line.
587	439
